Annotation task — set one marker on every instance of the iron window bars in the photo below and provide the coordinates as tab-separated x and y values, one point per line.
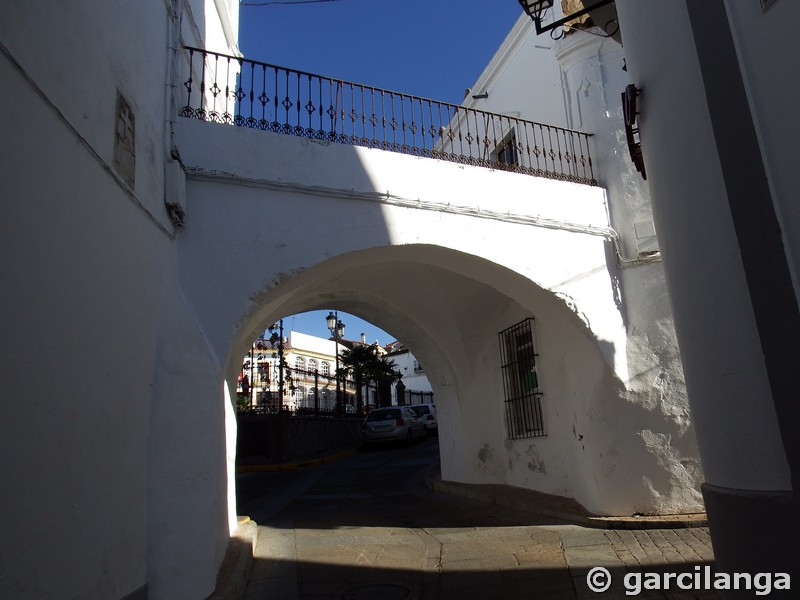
523	397
246	93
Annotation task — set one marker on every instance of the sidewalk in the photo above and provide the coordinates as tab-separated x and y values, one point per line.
559	507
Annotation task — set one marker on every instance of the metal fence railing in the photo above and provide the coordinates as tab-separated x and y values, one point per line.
303	392
414	397
247	93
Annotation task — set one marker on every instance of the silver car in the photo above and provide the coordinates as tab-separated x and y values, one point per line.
427	412
395	423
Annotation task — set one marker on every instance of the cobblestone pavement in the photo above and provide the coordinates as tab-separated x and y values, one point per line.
637	552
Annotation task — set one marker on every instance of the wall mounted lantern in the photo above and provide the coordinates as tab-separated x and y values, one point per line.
536	10
630	110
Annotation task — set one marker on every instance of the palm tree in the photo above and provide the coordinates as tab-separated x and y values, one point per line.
364	365
357	362
383	373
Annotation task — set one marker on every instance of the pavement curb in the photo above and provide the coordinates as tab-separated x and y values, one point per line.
234	572
235	568
296	465
559	507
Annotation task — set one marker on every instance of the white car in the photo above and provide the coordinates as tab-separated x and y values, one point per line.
427	412
394	423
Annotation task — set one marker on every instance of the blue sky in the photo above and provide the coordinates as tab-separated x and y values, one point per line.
313	323
430	48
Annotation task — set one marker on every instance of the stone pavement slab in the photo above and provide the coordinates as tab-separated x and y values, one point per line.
356	535
545	561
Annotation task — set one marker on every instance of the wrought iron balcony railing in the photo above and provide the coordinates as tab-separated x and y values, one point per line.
246	93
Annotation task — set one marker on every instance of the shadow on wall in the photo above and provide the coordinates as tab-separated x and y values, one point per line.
191	493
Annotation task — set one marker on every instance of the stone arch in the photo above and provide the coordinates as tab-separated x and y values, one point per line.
611	454
395	287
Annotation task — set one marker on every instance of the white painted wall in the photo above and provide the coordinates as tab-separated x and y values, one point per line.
105	434
78	348
446	283
523	79
576	82
414	377
302	342
726	378
772	98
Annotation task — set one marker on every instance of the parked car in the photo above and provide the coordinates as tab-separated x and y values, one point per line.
395	423
427	412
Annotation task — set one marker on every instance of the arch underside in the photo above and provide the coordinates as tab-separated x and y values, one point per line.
612	454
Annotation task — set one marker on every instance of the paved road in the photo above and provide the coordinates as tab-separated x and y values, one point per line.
368	527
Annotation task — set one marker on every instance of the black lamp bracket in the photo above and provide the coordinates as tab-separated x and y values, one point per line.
535	8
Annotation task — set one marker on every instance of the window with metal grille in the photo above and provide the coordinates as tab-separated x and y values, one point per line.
523	397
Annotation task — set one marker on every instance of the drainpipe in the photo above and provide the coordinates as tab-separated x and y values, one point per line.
174	177
227	28
174	48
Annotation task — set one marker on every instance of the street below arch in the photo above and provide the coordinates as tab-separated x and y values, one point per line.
368	526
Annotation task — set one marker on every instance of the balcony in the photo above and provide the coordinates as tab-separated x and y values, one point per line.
247	93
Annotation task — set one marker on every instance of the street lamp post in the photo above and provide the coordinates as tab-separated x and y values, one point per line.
251	381
276	339
336	328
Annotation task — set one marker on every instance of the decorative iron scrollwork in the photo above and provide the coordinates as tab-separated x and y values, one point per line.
257	95
537	11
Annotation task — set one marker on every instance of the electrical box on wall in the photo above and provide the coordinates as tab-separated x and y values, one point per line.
646	241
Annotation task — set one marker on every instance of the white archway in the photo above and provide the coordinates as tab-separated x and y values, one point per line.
613	455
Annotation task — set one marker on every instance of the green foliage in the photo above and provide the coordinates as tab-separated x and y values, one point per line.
242	403
363	364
